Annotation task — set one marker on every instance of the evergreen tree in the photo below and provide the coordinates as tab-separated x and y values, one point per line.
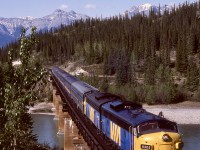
181	55
123	68
192	76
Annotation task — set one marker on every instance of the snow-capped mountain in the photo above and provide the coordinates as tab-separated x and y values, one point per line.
145	8
10	28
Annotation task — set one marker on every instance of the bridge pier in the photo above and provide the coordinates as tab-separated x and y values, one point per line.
66	126
72	139
60	121
54	96
68	145
57	100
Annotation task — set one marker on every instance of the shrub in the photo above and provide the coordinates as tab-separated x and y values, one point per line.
181	95
164	93
197	95
150	94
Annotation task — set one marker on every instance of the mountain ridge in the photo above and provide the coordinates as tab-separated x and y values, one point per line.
144	9
10	28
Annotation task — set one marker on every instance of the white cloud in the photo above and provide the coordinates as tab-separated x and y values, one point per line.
90	6
64	7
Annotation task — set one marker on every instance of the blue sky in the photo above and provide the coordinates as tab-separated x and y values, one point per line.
93	8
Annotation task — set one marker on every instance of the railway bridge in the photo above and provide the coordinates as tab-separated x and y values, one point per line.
78	132
90	119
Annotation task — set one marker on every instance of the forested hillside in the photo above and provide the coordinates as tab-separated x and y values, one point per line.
163	51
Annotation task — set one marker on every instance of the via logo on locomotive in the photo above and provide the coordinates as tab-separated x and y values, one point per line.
125	123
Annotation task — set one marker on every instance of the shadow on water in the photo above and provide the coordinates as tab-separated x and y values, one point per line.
46	129
191	136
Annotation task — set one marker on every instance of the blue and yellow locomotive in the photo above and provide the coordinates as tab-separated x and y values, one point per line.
125	123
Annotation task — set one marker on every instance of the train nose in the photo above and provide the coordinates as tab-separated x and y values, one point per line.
169	143
165	142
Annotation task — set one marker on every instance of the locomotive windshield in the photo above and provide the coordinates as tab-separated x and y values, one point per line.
156	126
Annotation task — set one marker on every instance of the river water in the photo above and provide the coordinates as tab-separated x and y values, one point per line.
46	129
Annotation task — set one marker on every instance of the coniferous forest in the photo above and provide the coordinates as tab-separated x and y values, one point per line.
154	59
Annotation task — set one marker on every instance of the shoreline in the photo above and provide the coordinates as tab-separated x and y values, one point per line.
182	113
187	112
42	108
38	113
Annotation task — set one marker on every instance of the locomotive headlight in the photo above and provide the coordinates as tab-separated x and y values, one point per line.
166	138
179	145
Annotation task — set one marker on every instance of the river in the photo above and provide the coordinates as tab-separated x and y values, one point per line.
46	129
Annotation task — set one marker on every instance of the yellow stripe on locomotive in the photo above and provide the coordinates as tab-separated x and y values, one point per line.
92	114
84	105
115	133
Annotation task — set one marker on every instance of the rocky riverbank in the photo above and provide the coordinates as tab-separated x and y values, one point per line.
182	113
42	108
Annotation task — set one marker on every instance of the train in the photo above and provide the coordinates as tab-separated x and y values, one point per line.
125	123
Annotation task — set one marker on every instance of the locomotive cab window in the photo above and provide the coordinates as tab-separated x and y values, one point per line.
155	126
168	126
147	127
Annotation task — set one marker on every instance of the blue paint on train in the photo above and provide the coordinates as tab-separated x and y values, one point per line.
97	119
88	110
76	97
126	137
105	126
